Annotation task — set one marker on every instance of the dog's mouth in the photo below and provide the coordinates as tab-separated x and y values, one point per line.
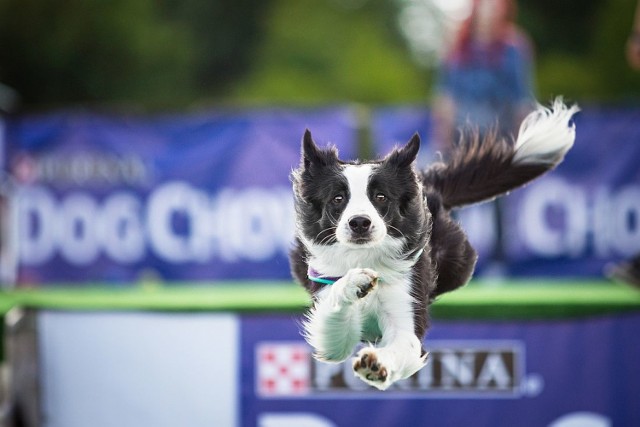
363	241
360	240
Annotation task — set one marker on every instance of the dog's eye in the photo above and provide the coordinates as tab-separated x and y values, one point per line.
381	197
338	199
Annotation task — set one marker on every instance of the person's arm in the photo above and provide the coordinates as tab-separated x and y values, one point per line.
443	113
633	43
443	110
522	57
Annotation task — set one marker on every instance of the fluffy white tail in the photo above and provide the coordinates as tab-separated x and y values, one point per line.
546	134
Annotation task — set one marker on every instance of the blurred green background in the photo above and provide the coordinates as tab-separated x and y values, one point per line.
170	54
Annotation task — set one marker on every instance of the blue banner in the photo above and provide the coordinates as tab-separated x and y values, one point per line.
207	196
559	374
586	213
198	197
571	222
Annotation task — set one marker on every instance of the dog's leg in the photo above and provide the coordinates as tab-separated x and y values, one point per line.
454	256
334	325
399	352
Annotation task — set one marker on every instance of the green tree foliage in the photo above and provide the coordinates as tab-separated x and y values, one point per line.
175	53
143	52
224	37
559	26
580	48
617	81
321	51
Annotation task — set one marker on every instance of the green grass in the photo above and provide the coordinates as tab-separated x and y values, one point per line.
478	300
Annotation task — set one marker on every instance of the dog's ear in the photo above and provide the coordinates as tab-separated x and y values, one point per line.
404	156
312	155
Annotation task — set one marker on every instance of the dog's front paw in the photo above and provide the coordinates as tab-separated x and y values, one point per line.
359	282
371	369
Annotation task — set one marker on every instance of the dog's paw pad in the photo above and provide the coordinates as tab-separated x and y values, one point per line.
363	280
367	366
363	290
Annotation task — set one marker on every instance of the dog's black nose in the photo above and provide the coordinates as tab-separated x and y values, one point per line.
360	224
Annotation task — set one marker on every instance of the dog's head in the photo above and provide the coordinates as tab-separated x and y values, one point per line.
359	205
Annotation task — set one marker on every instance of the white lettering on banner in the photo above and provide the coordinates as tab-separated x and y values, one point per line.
76	229
293	419
251	230
325	374
468	370
560	219
563	199
253	224
454	369
626	224
494	371
94	168
179	223
168	203
457	369
219	226
36	209
582	419
121	231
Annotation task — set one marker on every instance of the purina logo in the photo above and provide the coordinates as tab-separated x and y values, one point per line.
283	369
455	369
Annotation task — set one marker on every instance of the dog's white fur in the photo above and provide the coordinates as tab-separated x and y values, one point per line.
544	135
340	319
359	204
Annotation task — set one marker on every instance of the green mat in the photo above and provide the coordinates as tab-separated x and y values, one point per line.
478	300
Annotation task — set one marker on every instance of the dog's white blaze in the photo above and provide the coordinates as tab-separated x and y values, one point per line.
359	204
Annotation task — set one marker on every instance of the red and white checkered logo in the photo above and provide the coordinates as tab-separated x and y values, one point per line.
283	369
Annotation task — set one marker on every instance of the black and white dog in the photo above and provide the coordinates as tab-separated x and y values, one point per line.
376	244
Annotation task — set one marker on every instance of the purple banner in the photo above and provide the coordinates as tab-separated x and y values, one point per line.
199	197
560	374
571	222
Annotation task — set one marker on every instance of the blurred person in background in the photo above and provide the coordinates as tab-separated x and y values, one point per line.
485	84
485	81
629	271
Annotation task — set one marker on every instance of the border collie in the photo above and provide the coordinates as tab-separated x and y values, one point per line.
376	244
